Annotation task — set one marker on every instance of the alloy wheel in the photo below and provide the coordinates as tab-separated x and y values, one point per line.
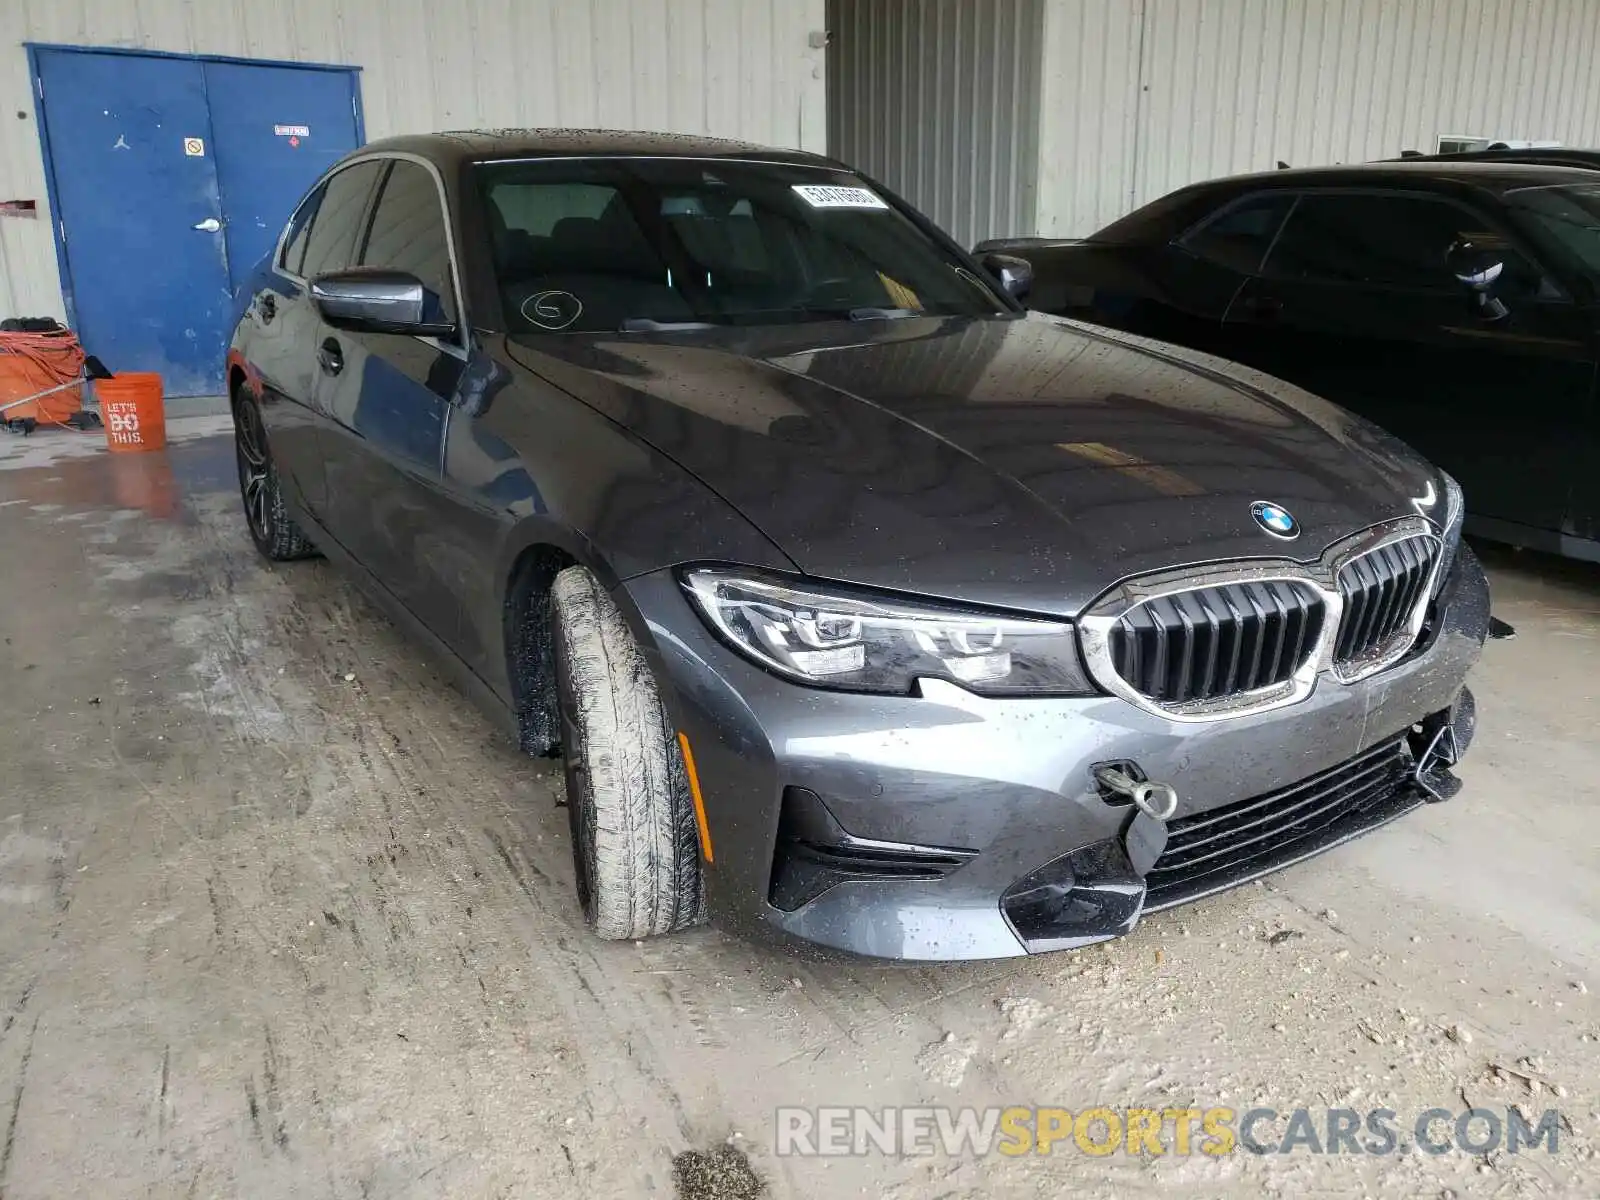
255	470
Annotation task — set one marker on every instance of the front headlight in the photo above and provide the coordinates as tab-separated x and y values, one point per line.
855	641
1452	512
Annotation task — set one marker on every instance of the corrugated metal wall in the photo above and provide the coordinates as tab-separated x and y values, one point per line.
737	68
939	99
1142	96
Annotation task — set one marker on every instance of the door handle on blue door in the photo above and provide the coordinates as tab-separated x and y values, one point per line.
330	356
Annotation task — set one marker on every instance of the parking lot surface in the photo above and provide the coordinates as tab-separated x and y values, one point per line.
282	915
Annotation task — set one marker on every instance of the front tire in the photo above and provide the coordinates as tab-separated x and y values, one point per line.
271	528
634	841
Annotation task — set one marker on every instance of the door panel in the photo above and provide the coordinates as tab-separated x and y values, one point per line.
1365	313
387	404
1504	406
289	330
150	290
388	396
276	129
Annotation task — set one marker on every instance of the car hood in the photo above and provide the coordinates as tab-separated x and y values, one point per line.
1022	462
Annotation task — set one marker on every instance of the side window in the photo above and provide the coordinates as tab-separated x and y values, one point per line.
1387	241
1239	236
331	244
294	246
408	232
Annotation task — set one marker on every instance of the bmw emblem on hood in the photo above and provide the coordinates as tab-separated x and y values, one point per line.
1275	519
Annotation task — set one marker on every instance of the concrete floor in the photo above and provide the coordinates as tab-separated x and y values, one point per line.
270	931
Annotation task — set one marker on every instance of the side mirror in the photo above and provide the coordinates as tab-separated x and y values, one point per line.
373	300
1013	274
1478	270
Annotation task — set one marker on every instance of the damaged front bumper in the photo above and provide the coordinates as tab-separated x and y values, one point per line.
952	826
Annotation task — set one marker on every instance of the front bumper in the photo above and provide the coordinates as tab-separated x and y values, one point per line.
952	806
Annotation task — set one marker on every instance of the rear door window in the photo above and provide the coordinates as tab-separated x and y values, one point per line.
408	233
331	243
294	245
1240	235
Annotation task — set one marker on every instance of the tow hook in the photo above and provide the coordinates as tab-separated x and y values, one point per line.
1144	834
1156	800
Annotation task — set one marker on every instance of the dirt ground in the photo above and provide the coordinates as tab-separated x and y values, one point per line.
282	916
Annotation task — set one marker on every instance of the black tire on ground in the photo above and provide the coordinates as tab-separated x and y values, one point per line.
634	840
271	528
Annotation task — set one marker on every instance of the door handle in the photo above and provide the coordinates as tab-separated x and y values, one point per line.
209	225
267	306
330	356
1264	308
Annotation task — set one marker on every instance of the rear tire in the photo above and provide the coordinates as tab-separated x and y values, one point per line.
634	841
271	528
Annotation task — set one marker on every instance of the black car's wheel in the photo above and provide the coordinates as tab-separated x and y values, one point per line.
634	839
271	528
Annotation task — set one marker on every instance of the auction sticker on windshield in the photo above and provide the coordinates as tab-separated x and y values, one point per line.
820	195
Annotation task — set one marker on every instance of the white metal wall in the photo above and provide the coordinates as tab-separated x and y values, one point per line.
1142	96
939	99
735	68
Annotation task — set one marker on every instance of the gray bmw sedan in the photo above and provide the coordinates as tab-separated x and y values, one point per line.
865	608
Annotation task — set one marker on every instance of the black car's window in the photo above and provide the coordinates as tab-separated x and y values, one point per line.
1563	220
331	244
1238	237
408	233
294	245
1387	241
605	244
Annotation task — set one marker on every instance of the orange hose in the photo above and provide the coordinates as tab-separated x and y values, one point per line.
56	355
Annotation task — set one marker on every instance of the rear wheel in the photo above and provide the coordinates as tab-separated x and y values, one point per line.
634	841
271	528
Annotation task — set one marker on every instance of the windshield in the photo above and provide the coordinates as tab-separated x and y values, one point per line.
1565	220
602	245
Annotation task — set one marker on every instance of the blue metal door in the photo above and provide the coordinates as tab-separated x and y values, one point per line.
172	178
129	142
276	129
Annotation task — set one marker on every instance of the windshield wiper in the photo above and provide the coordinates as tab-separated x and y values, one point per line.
864	313
650	325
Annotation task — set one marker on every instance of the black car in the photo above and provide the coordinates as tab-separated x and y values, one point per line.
1456	304
865	607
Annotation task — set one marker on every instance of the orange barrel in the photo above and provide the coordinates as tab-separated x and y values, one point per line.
131	408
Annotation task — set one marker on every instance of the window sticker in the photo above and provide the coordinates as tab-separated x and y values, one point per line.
553	310
820	195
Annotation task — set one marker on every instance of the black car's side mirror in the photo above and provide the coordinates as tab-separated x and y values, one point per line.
1478	270
373	300
1013	274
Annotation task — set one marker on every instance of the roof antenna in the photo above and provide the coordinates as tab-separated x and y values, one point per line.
1282	166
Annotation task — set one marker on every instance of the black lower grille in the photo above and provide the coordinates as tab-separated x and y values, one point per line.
1214	849
1381	591
1215	642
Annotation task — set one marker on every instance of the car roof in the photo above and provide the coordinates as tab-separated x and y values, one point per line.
1550	155
478	145
1488	176
1169	216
